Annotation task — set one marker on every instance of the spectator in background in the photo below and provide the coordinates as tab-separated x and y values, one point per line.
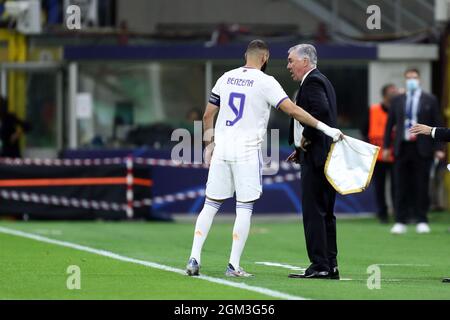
123	35
413	154
224	34
373	132
194	115
322	35
191	116
221	35
5	21
53	11
11	129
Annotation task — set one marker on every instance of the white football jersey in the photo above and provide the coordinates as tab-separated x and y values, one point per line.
245	96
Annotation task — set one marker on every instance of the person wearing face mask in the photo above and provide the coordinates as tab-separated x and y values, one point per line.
373	132
413	153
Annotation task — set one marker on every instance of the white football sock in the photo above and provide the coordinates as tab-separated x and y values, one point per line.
202	226
240	231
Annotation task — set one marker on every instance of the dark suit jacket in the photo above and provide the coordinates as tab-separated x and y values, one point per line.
442	134
428	114
8	126
317	96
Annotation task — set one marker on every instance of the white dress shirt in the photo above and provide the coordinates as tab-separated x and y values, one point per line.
298	128
415	110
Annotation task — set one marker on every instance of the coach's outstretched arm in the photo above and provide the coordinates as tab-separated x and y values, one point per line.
304	117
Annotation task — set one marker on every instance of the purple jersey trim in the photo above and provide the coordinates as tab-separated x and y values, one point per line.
278	104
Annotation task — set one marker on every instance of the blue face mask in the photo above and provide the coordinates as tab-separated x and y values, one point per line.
412	84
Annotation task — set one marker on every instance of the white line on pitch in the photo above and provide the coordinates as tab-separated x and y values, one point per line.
281	265
112	255
402	265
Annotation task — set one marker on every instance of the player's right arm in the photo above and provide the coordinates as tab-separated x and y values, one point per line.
208	122
304	117
276	96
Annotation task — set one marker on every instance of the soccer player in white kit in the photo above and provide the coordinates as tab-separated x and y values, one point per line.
243	97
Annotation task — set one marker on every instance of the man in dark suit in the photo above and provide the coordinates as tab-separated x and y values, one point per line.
413	154
438	134
316	95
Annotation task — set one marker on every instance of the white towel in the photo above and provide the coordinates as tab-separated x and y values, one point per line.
350	165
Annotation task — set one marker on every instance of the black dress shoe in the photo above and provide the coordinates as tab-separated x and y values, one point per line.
310	274
447	280
334	274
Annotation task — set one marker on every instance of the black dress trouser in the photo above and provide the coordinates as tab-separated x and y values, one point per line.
319	222
381	171
412	174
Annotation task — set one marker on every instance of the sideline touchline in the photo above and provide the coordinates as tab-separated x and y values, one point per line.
105	253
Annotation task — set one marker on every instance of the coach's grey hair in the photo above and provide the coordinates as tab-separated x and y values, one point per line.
306	51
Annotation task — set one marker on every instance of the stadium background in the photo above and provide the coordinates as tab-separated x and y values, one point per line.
139	69
104	100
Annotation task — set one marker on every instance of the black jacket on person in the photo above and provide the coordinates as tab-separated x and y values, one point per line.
316	96
8	126
428	114
442	134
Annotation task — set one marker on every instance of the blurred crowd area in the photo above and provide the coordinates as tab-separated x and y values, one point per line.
132	72
138	102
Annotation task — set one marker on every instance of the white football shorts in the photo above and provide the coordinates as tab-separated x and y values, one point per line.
243	177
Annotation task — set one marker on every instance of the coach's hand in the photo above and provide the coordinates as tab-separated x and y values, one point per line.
304	143
292	157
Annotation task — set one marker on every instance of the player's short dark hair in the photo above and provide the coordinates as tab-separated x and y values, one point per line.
257	45
385	88
412	70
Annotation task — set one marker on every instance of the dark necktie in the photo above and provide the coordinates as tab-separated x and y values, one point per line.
409	113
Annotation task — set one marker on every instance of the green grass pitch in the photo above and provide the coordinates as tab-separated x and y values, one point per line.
412	266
